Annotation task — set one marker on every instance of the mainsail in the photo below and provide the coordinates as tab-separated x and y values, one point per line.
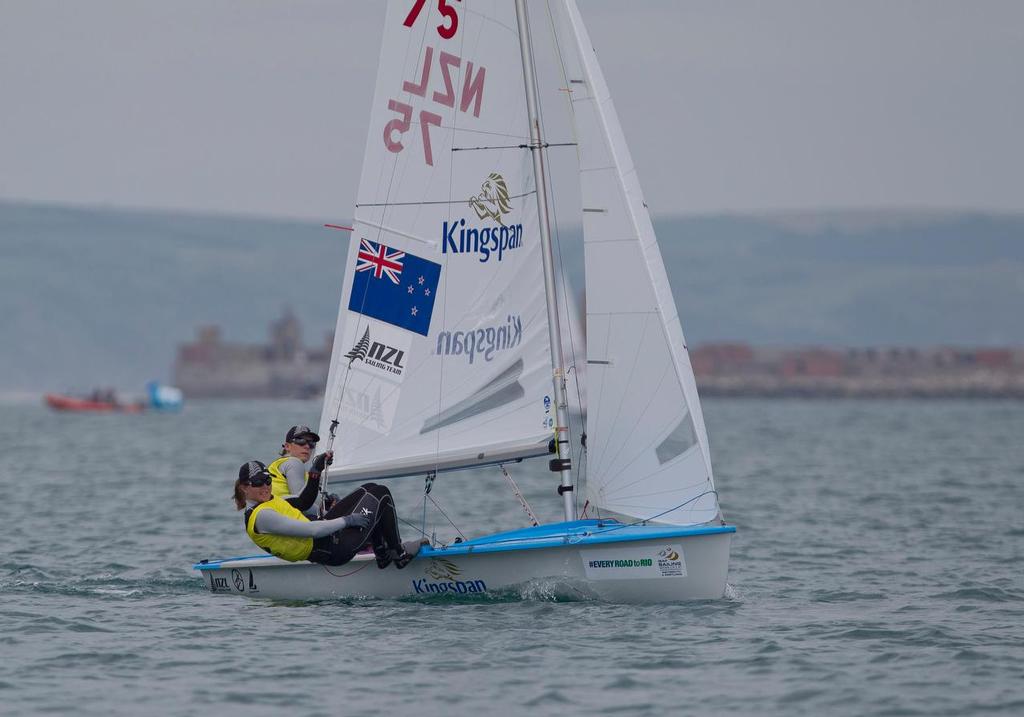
648	454
441	355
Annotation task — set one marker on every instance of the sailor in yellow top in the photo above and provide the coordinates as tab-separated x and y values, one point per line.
289	471
278	525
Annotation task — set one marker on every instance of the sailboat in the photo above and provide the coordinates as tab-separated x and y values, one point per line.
448	350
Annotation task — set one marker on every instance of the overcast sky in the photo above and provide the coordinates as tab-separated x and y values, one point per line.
260	106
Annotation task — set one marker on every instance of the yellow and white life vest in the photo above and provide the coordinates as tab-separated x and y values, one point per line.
283	546
279	484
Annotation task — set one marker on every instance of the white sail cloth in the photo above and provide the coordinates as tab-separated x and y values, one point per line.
648	454
441	355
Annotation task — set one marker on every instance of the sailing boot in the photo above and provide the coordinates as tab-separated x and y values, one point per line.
383	557
408	551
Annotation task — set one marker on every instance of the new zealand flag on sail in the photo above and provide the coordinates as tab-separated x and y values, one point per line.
394	286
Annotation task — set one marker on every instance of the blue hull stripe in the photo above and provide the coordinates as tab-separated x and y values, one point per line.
553	535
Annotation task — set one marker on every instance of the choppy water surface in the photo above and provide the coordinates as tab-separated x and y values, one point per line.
877	570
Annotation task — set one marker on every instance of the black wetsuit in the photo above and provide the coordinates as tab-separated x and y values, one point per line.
337	548
382	533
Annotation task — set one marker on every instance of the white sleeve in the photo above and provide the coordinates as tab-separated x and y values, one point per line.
294	472
273	523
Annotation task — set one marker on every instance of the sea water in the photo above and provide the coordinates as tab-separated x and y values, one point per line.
877	571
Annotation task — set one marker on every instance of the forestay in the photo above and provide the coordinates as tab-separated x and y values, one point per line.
648	450
441	355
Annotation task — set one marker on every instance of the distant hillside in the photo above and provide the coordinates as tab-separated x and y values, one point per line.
97	296
103	297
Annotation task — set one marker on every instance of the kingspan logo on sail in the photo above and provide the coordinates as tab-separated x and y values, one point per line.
483	341
493	202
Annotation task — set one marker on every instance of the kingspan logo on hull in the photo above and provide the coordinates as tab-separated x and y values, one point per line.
492	202
455	587
443	578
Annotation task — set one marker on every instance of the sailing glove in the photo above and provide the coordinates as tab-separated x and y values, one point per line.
330	500
357	520
322	461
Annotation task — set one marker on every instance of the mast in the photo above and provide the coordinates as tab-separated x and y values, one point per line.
562	463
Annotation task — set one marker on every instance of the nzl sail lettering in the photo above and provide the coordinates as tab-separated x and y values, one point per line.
445	89
484	341
386	358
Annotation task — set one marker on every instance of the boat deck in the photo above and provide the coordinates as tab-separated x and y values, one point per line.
552	535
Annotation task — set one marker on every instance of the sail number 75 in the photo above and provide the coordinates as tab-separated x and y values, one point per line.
401	125
445	30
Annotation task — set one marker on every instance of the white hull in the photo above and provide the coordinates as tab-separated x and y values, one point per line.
671	565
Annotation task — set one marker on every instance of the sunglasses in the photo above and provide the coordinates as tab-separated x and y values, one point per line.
258	481
303	442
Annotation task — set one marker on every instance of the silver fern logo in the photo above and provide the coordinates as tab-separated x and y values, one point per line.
358	352
367	409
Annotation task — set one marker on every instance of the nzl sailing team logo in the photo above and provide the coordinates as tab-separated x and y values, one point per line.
492	203
377	362
394	286
378	354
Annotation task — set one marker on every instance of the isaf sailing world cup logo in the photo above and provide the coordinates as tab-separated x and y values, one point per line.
668	554
493	203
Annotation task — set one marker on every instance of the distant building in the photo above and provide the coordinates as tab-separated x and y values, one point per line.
891	371
283	368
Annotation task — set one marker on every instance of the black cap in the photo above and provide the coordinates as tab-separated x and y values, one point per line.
250	470
299	432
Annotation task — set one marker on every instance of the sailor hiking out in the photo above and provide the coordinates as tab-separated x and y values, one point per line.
280	526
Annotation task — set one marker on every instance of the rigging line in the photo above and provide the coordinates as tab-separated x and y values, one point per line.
545	145
572	351
446	516
658	515
640	479
412	525
439	201
602	531
653	493
519	494
469	130
549	189
581	461
344	575
573	125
